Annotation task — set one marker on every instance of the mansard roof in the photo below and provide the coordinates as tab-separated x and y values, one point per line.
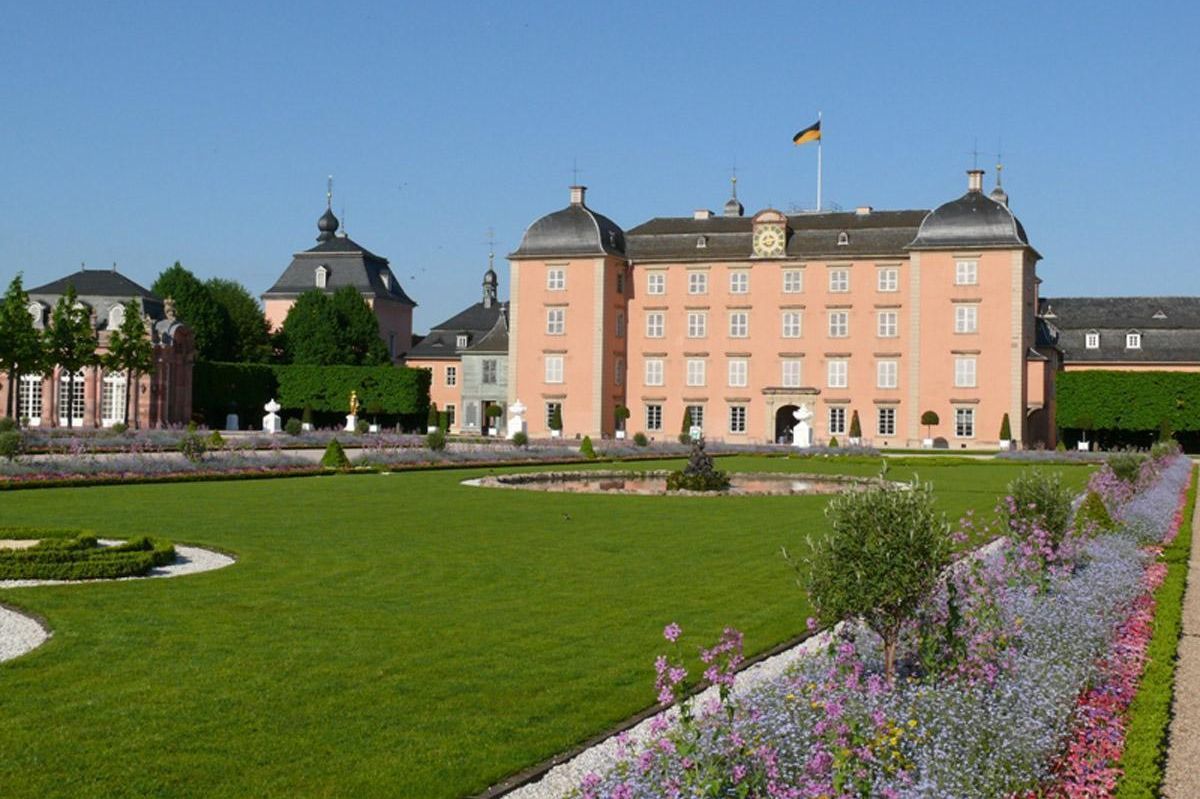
1169	328
100	290
474	321
572	231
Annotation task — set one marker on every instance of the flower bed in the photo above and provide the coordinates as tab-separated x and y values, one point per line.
1025	695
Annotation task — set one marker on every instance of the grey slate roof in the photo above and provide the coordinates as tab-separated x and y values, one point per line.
572	231
476	321
495	341
1170	328
812	235
973	220
100	290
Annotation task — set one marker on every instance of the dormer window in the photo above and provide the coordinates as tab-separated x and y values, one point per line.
1091	340
461	341
701	242
843	239
116	317
1133	340
386	277
36	312
321	276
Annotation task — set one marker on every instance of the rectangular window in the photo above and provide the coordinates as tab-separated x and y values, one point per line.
738	370
697	324
739	282
619	371
620	324
1133	341
964	422
65	393
697	282
112	400
656	283
839	324
554	368
620	282
452	375
887	422
450	416
791	324
1092	341
889	325
556	279
966	273
966	319
490	371
739	324
654	417
696	415
839	374
839	281
551	409
695	372
654	372
654	325
793	281
30	400
964	372
737	418
886	374
791	376
556	321
837	420
888	279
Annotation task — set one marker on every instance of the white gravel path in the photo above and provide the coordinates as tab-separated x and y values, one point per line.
20	633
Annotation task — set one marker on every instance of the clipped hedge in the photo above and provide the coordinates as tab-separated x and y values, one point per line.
76	556
1142	401
392	390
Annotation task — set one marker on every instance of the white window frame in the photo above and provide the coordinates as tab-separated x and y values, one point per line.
737	419
113	395
793	324
964	422
1091	340
1133	340
461	340
739	324
885	420
554	369
451	414
652	373
966	318
550	406
697	282
836	420
887	324
966	273
739	372
556	321
966	372
80	397
791	373
654	416
556	279
838	373
321	277
888	279
697	324
489	367
839	324
655	324
839	281
695	415
696	372
656	283
451	375
793	281
739	282
887	374
31	399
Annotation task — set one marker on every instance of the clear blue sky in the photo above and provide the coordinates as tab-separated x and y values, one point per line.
145	133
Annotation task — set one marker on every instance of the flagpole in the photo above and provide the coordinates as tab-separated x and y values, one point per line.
819	141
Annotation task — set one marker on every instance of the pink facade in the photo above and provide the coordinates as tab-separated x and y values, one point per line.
748	337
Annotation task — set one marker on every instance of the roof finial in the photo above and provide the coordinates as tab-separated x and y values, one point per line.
329	194
733	207
999	163
491	242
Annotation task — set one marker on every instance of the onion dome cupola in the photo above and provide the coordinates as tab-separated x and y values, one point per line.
733	206
574	230
327	225
973	220
490	285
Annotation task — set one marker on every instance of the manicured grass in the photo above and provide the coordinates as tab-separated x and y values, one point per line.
1144	762
390	635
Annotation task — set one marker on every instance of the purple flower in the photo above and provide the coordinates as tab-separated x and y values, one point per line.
672	632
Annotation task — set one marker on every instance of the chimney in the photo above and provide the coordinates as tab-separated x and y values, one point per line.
702	213
863	210
974	180
577	193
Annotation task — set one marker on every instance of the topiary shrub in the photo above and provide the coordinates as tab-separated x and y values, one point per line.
929	419
1060	447
75	555
216	440
699	474
639	439
685	429
335	456
1005	429
556	420
1092	517
193	446
855	426
7	424
293	427
879	560
306	416
1126	465
362	426
119	429
436	440
586	449
833	442
432	419
520	439
12	444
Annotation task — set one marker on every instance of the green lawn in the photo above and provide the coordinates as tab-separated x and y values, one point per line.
389	635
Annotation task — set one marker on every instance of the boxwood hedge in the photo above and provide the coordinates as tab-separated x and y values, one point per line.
75	555
1142	401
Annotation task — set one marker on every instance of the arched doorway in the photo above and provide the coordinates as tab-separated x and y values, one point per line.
784	422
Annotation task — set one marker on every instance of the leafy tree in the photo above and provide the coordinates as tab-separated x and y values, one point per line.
310	331
929	419
199	310
880	558
70	342
249	333
21	349
130	351
359	329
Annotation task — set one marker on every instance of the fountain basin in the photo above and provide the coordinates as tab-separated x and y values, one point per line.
655	483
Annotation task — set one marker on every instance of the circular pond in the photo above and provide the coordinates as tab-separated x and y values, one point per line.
655	483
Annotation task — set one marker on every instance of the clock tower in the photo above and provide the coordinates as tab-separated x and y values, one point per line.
770	234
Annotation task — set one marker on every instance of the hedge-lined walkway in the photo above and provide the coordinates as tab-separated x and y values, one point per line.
1183	754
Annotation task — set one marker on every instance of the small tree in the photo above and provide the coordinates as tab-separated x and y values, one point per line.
130	351
431	418
70	342
21	349
620	414
556	420
855	426
685	429
586	449
493	413
335	456
929	419
1005	429
880	559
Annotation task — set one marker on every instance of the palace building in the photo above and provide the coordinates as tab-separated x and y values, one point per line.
732	322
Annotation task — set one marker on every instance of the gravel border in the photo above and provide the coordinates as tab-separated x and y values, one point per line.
20	633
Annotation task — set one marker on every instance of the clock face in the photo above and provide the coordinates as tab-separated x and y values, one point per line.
768	241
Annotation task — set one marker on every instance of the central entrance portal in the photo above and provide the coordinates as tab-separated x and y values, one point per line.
785	420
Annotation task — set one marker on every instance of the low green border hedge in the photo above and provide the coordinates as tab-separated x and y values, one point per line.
76	556
1144	762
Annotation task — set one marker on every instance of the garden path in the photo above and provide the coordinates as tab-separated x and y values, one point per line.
1182	779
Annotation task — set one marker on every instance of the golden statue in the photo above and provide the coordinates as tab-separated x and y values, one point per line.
354	403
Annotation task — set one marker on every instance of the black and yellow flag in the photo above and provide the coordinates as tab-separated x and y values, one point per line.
811	133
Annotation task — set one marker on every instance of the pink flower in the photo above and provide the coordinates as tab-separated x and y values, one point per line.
672	632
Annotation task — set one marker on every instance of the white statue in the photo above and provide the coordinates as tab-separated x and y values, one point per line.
802	432
516	419
271	423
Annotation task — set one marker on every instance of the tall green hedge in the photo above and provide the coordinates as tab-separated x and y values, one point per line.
1110	400
395	390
